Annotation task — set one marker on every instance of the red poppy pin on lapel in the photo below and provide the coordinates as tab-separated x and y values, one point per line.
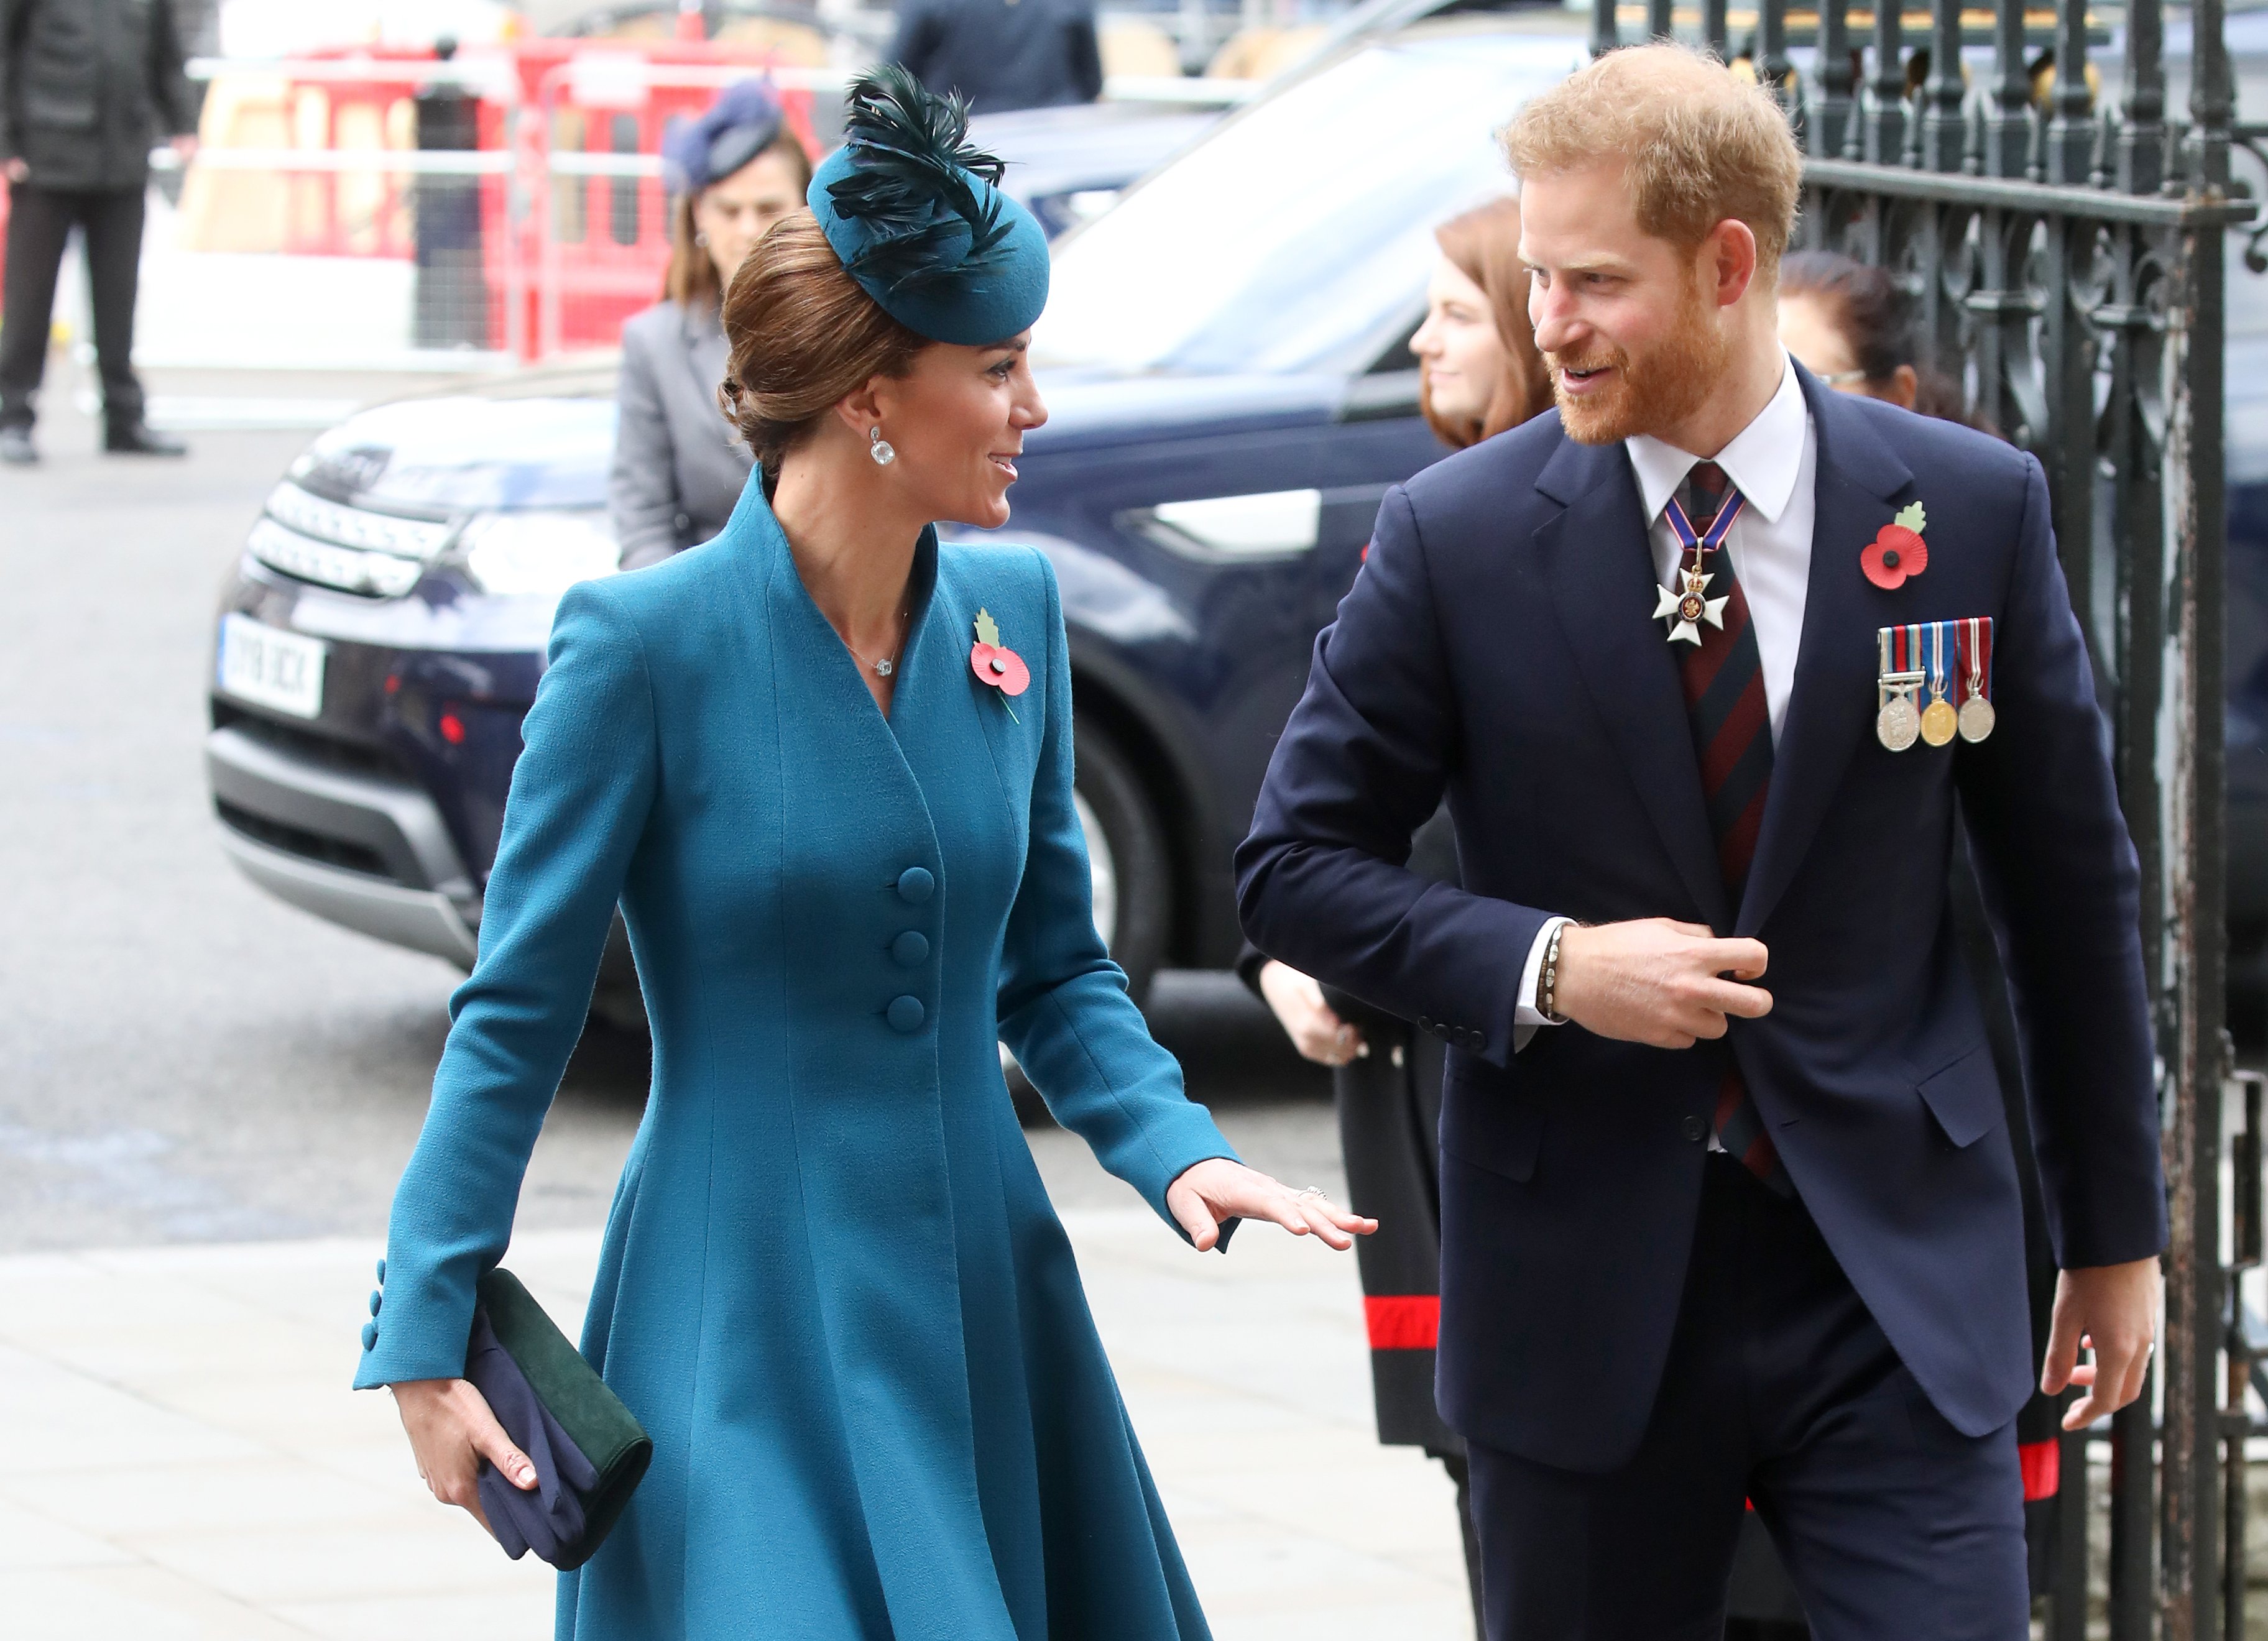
995	664
1897	552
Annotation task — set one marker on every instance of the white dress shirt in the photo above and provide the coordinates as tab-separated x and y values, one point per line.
1774	463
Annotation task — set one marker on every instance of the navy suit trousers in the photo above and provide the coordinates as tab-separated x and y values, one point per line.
1781	1390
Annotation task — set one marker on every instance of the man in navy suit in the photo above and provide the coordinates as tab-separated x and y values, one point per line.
1712	663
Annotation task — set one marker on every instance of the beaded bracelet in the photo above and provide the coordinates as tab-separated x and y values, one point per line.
1547	989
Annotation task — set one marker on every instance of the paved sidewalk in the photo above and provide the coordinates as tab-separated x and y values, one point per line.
179	1456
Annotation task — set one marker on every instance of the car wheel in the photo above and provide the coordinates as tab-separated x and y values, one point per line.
1126	850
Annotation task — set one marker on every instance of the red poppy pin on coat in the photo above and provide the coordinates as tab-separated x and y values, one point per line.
995	664
1897	552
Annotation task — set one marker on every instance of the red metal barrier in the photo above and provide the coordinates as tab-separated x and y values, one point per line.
353	213
577	239
594	120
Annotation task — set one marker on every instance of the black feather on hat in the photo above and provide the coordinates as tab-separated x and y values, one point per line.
910	185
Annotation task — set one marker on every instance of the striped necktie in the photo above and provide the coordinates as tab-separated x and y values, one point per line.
1724	679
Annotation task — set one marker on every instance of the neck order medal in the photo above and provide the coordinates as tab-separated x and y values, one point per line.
1686	605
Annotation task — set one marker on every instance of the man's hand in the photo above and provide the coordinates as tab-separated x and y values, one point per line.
1314	1029
2111	1310
1656	982
16	170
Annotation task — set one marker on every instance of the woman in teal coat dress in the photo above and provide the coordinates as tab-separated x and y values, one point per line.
824	764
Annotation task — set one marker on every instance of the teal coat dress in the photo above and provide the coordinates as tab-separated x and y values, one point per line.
832	1287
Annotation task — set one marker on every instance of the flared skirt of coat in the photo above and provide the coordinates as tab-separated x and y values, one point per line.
707	1319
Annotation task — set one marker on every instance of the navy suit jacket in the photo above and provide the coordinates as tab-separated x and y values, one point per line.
1497	646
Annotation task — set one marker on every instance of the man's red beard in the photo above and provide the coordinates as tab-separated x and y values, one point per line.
1650	391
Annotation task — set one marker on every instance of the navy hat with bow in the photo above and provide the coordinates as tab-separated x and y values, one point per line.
918	218
743	122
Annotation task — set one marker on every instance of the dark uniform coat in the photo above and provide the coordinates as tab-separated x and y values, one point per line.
87	86
832	1287
1002	54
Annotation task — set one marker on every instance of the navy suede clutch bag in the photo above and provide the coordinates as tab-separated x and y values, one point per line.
589	1452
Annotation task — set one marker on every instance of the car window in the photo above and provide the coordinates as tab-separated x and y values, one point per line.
1297	236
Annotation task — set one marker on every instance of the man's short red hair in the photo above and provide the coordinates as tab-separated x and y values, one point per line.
1701	145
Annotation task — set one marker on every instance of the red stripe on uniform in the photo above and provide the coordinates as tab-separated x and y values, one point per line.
1403	1322
2042	1464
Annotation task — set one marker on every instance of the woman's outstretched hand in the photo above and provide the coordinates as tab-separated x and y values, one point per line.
451	1431
1217	1190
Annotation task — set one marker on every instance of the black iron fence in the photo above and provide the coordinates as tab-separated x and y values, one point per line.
2064	230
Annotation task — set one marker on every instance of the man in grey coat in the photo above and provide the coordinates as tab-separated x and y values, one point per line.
85	87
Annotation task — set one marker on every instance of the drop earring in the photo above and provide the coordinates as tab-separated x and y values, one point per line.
701	239
878	448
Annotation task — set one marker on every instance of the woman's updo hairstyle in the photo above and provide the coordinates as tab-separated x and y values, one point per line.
803	336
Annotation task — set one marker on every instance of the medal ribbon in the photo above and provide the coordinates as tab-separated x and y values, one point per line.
1689	541
1974	642
1939	685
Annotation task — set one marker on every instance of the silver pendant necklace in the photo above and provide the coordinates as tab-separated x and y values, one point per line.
889	664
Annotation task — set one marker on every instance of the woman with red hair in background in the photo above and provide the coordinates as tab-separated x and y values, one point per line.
1478	370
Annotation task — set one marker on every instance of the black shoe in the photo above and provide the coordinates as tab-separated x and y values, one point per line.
139	439
16	446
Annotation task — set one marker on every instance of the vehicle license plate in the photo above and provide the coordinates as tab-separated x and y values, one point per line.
269	668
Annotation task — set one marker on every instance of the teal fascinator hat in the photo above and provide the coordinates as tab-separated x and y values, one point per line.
918	218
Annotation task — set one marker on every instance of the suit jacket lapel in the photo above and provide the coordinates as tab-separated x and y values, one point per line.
1860	484
1601	567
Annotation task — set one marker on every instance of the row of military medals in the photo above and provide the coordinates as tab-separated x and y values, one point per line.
1950	660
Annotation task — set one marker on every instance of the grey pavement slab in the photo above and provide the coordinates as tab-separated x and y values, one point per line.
183	1458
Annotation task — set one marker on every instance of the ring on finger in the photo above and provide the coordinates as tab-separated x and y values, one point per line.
1314	1190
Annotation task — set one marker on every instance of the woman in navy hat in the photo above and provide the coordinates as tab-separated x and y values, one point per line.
678	465
823	762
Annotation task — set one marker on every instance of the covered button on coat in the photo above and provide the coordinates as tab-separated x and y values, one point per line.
832	1287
